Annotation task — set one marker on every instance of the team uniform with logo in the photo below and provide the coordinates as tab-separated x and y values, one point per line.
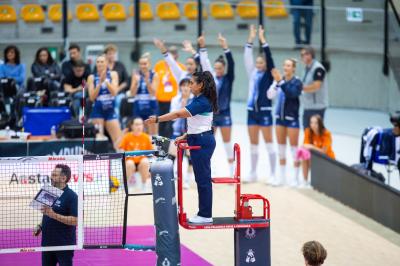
288	103
103	107
224	87
145	104
258	105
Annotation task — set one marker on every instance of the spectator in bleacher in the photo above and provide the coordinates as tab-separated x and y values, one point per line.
191	64
317	138
315	86
74	82
143	87
111	54
259	107
314	253
12	67
74	55
305	12
46	68
224	82
136	140
167	89
103	87
288	90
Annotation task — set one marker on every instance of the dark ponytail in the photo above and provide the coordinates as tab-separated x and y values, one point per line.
221	60
209	89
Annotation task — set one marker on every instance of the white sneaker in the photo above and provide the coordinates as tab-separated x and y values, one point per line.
271	180
200	220
292	182
278	181
251	178
302	183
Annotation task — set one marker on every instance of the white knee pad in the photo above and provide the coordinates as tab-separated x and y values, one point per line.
282	151
228	149
293	150
270	147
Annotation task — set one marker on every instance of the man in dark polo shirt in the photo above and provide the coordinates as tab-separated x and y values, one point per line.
59	222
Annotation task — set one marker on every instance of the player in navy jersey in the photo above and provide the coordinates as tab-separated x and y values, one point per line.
143	87
102	87
287	89
259	116
199	114
224	75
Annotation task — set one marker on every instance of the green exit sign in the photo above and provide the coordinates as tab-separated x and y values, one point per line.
354	14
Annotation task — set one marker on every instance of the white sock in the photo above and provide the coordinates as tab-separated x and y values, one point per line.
282	170
254	157
228	149
272	158
296	173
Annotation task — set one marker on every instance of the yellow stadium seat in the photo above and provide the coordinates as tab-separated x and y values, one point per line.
275	9
7	14
114	12
146	12
247	9
221	10
190	10
55	13
168	11
87	12
32	13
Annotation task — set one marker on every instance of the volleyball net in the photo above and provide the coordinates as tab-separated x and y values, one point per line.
100	203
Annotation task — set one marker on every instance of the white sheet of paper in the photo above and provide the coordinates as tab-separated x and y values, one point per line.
46	196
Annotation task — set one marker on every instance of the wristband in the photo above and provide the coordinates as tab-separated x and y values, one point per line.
156	118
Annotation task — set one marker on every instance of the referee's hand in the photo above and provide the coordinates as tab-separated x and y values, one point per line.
151	120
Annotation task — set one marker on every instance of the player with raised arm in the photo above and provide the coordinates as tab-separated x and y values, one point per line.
224	75
259	107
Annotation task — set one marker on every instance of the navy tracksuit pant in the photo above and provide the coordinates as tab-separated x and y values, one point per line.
201	160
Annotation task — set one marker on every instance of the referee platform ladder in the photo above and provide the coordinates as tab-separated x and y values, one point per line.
251	233
243	213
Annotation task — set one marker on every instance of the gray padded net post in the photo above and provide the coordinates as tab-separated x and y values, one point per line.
165	213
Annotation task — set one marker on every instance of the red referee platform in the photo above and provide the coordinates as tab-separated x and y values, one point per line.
251	232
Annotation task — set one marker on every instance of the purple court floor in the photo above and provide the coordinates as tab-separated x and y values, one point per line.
143	235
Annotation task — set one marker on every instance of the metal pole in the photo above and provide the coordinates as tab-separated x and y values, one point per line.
65	25
199	17
136	31
324	59
260	18
386	40
136	21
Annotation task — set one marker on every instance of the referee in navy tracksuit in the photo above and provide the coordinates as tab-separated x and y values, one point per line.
59	222
199	114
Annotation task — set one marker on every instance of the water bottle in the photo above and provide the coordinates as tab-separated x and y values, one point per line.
53	132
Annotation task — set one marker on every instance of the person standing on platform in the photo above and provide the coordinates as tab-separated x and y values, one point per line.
166	90
315	87
199	114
